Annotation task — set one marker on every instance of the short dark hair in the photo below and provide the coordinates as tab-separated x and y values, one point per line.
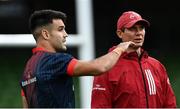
44	17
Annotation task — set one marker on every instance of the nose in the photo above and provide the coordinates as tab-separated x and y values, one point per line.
65	35
138	31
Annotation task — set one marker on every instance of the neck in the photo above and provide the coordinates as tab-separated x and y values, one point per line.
46	46
138	52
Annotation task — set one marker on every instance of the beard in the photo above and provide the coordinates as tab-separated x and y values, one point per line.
61	48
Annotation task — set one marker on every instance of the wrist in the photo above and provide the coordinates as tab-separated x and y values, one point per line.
118	50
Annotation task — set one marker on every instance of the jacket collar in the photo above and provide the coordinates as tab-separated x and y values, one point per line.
134	55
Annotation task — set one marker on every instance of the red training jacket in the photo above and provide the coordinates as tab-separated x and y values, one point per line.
133	83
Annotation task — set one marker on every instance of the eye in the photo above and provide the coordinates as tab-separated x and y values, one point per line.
133	28
61	28
141	27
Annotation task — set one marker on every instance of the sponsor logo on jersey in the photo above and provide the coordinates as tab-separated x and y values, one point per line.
29	81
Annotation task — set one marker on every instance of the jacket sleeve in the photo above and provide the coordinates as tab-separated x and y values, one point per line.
170	99
101	96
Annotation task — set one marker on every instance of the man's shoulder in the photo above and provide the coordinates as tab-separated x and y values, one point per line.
154	61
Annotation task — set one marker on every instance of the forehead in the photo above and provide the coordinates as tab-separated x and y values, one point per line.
58	22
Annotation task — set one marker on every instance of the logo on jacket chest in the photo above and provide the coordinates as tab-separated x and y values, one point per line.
150	81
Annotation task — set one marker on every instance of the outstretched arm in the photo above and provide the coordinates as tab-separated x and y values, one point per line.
101	64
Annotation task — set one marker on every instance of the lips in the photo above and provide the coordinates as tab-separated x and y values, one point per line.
138	40
64	41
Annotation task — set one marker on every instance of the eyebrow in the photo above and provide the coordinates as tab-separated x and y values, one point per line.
61	27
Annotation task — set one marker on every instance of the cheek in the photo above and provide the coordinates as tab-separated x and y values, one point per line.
58	37
127	37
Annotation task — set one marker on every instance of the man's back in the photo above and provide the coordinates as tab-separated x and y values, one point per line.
45	81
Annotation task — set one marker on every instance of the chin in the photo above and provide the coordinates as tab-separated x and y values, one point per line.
61	49
139	44
64	48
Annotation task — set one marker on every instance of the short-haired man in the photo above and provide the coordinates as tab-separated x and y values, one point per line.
47	78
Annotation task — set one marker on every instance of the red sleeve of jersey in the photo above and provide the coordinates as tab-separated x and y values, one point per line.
70	68
22	92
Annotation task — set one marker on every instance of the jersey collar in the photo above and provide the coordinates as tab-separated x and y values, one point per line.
36	49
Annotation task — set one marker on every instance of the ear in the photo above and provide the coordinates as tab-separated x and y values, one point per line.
119	33
45	34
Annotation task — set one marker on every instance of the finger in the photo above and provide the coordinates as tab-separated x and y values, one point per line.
132	44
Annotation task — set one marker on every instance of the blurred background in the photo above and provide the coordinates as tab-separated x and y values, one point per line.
161	39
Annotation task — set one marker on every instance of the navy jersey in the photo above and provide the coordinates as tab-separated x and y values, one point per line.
45	81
